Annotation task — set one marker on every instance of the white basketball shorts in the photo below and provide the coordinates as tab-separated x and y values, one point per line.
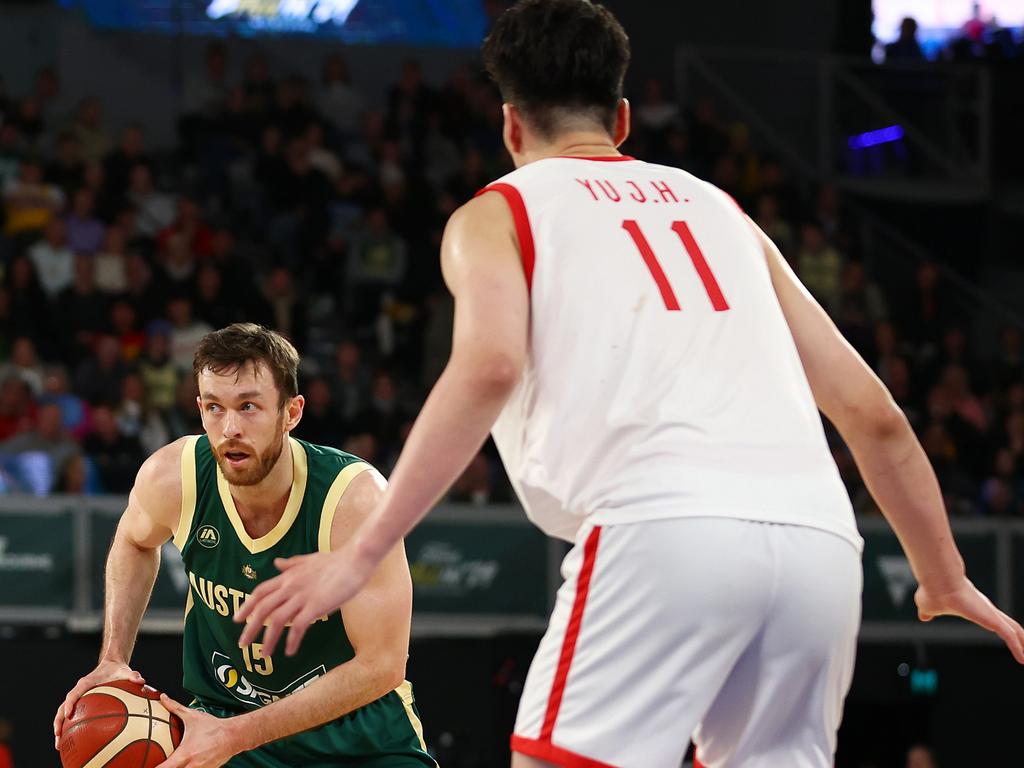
736	633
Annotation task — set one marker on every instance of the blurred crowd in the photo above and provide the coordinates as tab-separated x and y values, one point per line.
317	209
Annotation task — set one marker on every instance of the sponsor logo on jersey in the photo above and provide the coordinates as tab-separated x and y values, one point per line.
239	686
208	536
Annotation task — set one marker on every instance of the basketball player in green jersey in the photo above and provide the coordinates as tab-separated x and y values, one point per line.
236	501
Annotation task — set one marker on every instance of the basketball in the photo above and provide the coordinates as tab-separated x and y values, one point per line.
119	725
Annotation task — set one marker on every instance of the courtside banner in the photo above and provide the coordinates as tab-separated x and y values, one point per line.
36	561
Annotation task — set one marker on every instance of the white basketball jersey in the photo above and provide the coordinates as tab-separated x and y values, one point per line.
662	378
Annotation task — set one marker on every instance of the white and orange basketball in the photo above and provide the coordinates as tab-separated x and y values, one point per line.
119	725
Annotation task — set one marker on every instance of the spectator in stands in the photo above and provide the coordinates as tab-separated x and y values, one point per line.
155	211
655	115
141	290
1009	362
384	415
320	420
124	324
927	310
75	412
85	231
350	381
339	102
768	218
24	364
212	304
67	171
117	166
136	420
81	311
11	153
17	407
109	263
820	266
183	418
87	128
377	263
159	374
30	203
29	308
259	85
53	259
186	332
285	309
116	456
49	438
189	227
474	486
98	378
905	47
205	96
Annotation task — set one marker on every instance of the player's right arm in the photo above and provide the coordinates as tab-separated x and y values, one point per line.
149	520
891	460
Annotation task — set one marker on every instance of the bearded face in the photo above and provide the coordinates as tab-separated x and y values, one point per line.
242	464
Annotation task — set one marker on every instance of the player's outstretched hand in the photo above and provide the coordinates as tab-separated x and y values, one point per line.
309	586
967	602
105	672
207	742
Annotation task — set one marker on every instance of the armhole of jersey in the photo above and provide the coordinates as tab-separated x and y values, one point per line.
335	492
522	222
188	492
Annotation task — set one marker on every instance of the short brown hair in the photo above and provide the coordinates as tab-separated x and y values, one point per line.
230	348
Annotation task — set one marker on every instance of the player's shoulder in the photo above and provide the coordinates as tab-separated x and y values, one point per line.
158	484
326	456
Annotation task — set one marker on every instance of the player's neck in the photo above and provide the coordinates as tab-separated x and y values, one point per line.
265	501
575	144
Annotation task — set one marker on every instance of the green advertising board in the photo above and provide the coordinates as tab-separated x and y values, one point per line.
484	568
889	584
37	561
171	588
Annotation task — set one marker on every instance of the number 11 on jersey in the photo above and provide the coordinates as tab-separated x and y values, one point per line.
707	277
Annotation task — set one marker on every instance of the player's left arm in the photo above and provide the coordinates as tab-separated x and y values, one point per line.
377	623
482	267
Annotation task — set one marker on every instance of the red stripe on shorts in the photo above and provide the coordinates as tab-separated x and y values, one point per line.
548	752
572	633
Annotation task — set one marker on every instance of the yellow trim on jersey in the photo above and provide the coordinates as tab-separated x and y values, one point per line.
291	510
189	601
188	492
405	692
334	494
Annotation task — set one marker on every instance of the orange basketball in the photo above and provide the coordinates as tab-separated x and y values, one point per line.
119	725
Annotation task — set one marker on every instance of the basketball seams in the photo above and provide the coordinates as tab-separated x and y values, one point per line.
149	736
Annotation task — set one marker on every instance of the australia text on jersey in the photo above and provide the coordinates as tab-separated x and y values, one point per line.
215	596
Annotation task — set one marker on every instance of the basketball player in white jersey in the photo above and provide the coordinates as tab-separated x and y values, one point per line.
652	373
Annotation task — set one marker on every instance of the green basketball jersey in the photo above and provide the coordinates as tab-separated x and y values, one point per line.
224	564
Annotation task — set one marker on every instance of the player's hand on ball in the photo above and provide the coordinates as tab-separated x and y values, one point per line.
207	742
105	672
309	586
965	601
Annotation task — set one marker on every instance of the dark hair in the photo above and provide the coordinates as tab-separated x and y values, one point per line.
553	57
229	349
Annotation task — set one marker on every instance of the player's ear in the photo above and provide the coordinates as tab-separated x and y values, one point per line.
621	122
512	131
293	412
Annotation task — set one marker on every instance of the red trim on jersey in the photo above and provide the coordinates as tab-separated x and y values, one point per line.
548	752
697	763
572	634
522	221
598	158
